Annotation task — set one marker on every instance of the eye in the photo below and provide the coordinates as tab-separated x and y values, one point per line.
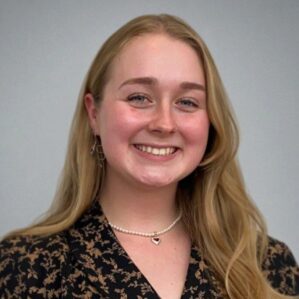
187	104
139	100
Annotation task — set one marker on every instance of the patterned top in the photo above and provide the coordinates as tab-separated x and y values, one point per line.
87	261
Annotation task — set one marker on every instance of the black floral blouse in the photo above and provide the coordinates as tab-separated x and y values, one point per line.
87	261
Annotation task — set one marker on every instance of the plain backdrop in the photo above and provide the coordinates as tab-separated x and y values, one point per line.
46	48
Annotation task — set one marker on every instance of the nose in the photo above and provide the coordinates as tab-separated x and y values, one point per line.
163	121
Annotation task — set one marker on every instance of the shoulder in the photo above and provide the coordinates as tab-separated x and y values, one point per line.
30	265
281	268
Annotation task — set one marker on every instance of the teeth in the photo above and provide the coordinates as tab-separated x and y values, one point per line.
156	151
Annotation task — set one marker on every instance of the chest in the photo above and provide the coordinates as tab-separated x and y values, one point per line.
164	266
105	265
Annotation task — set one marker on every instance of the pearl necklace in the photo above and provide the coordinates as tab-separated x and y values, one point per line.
154	235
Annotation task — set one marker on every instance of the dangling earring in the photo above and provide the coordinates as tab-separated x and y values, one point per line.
97	150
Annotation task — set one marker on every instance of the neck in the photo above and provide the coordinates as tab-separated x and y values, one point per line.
138	208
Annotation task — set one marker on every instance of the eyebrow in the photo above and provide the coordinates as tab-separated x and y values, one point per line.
153	81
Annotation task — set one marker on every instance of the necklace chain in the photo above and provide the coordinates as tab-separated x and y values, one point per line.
147	235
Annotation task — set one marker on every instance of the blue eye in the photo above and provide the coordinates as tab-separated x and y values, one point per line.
187	104
139	100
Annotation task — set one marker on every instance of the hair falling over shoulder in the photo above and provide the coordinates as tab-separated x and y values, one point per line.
217	211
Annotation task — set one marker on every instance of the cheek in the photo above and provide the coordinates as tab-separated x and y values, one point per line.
196	130
119	122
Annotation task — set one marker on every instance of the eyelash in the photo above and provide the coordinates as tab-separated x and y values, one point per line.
140	100
134	97
189	103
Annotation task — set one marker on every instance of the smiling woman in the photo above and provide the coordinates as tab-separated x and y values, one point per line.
152	106
150	172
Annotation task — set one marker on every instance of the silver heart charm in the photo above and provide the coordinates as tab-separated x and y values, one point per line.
156	240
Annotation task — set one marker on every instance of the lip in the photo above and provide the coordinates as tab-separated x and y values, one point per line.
156	157
157	145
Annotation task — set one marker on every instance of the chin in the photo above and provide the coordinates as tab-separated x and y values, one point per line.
157	181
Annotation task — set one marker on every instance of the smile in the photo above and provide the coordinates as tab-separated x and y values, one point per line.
165	151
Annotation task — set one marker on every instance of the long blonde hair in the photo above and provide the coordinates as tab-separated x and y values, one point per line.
217	211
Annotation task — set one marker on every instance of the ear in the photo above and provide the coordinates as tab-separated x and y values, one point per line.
92	112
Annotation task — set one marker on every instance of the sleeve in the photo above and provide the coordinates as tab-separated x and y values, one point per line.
31	268
281	268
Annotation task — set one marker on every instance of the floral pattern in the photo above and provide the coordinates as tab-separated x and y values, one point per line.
87	261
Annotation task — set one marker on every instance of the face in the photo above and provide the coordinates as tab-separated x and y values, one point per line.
152	121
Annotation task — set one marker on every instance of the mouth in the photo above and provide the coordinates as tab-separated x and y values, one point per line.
156	151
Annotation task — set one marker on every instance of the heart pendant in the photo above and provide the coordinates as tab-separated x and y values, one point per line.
156	240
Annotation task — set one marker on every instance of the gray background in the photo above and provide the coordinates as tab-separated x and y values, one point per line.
47	46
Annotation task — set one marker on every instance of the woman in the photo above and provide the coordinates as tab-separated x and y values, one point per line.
151	202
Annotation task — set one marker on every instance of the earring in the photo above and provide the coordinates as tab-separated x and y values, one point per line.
97	150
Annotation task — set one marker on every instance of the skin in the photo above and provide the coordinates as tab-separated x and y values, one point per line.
154	127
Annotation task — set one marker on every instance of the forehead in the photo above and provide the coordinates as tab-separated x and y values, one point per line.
157	55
